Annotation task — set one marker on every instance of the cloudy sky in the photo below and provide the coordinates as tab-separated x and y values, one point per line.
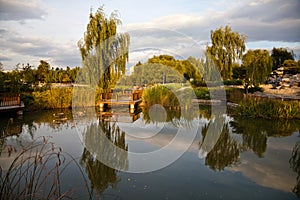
32	30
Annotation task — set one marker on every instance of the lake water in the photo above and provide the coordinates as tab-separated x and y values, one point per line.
246	159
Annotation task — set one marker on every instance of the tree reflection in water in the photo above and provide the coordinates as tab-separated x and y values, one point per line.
255	133
295	165
102	176
225	152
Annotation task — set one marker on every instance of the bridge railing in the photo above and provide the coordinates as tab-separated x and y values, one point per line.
134	95
10	100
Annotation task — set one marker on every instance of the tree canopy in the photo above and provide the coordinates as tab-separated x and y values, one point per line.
166	69
258	65
104	52
226	48
279	55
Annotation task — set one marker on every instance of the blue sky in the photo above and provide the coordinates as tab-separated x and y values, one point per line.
50	29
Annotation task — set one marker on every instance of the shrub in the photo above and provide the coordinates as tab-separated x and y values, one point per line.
233	82
202	93
27	99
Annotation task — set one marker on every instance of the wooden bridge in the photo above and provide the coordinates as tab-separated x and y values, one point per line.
11	103
133	99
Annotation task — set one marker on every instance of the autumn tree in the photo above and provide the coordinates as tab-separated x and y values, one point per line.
279	55
226	48
258	65
104	52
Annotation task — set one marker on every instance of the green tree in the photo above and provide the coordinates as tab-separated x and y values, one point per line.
28	77
227	47
239	72
279	55
187	68
258	65
104	52
42	71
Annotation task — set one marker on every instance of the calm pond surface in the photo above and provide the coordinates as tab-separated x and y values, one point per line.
250	158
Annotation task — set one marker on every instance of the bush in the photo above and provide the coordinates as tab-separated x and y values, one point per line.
233	82
202	93
27	99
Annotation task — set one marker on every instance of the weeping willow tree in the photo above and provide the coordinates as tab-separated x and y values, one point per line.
104	52
227	47
258	64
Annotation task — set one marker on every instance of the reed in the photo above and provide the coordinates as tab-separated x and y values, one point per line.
35	173
53	98
269	109
159	94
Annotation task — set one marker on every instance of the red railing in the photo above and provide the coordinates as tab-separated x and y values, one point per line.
10	100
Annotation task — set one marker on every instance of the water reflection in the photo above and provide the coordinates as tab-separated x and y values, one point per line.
225	152
237	139
100	175
295	165
255	132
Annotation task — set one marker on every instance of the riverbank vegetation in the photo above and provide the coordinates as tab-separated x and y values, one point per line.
269	109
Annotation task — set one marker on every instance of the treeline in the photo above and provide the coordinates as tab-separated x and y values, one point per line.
26	78
163	69
254	69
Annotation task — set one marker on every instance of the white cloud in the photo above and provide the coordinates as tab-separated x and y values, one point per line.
281	27
31	48
14	10
182	32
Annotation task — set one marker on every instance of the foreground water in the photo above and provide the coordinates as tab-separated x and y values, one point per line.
249	159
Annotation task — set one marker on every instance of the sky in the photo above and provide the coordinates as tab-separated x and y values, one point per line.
49	30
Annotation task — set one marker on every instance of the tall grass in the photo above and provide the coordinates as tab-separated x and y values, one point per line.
269	109
35	173
159	94
53	98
